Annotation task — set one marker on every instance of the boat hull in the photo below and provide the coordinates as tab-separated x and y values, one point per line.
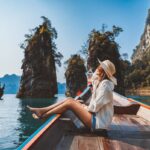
130	128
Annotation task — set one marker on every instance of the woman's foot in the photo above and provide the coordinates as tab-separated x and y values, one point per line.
35	116
37	112
43	117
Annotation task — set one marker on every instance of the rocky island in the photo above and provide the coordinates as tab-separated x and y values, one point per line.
38	78
137	78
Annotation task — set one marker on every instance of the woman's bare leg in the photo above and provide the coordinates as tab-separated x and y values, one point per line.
40	111
76	107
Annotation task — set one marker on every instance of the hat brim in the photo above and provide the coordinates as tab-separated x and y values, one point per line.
111	77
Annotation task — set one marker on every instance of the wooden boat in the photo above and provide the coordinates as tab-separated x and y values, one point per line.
129	130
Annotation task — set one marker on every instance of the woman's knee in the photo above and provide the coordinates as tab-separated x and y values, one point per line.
69	98
69	102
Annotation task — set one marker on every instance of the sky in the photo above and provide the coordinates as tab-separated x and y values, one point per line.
73	20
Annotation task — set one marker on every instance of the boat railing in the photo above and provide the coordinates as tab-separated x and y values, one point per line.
38	133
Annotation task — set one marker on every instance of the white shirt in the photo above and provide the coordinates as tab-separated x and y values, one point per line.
102	103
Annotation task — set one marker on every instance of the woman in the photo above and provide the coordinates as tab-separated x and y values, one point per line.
99	113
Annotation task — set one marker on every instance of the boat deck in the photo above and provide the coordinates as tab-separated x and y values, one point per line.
127	132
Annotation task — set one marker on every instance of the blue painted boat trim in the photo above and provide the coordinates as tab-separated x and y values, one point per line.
36	132
48	121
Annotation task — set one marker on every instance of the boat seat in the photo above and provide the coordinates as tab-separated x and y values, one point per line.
131	109
123	106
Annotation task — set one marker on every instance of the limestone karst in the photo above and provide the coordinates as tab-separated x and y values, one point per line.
76	80
38	78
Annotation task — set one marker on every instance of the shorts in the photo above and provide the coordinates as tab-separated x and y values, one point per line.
93	122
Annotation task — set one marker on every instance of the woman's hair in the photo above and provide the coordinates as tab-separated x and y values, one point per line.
105	76
102	74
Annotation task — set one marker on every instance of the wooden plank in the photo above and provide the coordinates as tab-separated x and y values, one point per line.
38	133
123	144
74	145
143	124
129	126
68	137
65	143
127	134
87	143
144	112
121	122
101	143
50	138
129	122
126	124
115	124
130	134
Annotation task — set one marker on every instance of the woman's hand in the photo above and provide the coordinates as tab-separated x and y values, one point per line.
85	106
80	101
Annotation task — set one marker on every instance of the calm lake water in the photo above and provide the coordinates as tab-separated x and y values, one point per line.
143	99
16	122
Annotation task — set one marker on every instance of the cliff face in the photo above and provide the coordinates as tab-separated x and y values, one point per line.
137	75
76	80
38	79
103	46
144	46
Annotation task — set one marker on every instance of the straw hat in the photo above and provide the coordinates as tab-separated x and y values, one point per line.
109	69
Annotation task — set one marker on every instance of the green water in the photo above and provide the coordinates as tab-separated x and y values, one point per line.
16	122
143	99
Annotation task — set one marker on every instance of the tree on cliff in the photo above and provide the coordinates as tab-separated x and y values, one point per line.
39	71
102	45
76	80
138	73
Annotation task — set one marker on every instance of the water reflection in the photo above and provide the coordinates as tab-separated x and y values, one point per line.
16	122
27	124
8	122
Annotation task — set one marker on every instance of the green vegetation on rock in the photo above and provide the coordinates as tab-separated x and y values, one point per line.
102	45
75	75
38	79
138	74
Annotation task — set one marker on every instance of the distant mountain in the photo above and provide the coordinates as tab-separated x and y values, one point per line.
12	84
